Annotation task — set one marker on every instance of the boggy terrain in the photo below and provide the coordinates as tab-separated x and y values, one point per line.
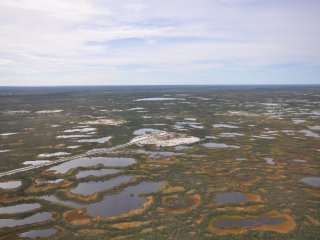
226	163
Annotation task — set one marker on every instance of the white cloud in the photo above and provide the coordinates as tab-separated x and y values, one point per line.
61	40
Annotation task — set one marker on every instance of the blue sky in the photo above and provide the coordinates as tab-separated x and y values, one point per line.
102	42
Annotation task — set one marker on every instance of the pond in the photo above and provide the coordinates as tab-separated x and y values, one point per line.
249	222
231	197
143	131
88	162
269	160
19	208
41	233
313	181
96	173
124	201
88	188
10	184
219	145
38	217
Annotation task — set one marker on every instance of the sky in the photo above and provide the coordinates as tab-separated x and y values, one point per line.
153	42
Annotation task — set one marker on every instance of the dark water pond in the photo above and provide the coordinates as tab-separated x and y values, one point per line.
231	197
313	181
249	222
124	201
10	185
88	188
19	208
39	217
39	233
88	162
219	145
97	173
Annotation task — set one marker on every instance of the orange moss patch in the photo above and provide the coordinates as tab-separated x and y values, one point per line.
313	220
179	205
127	225
79	217
5	198
253	197
284	226
169	189
48	186
90	231
84	198
149	230
276	176
192	191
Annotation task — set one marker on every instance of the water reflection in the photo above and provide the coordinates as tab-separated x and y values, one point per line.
10	185
96	173
19	208
88	162
231	197
314	181
88	188
39	233
124	201
39	217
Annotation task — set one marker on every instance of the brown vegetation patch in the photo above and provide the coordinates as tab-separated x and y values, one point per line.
270	221
149	230
276	176
180	204
126	225
90	231
248	180
48	186
313	220
253	197
84	198
171	189
5	198
79	217
314	192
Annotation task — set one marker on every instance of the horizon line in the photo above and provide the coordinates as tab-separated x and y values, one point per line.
133	85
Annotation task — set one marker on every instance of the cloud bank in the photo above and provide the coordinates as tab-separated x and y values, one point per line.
89	42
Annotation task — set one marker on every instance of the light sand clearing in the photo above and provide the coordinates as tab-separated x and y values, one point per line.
4	150
84	130
166	139
56	154
35	163
7	134
49	111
